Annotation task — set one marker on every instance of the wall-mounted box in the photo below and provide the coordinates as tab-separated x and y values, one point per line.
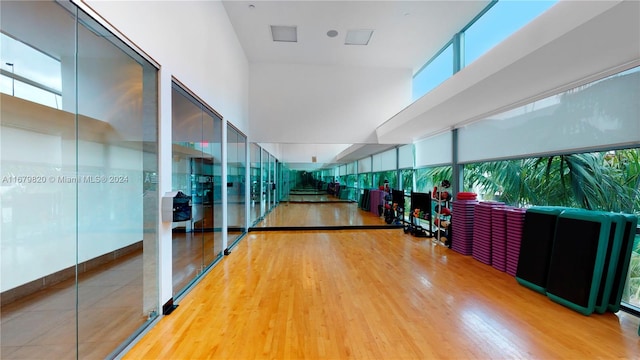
176	206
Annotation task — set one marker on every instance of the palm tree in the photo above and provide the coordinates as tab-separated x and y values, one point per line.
608	181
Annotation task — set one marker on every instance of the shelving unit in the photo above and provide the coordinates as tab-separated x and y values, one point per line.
442	218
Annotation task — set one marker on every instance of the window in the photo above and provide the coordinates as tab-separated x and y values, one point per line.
499	22
30	74
434	73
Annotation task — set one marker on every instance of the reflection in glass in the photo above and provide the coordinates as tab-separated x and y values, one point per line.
196	172
236	152
78	193
255	178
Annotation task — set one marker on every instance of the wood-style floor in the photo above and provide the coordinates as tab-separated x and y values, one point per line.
109	302
373	294
306	214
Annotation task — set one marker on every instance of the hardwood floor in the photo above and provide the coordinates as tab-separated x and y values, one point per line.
374	294
109	303
378	294
319	214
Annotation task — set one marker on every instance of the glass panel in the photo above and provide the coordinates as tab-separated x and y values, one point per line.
427	178
382	177
503	19
79	199
255	178
117	210
197	242
38	205
207	195
235	184
264	186
218	183
631	293
598	181
365	181
272	181
439	70
187	177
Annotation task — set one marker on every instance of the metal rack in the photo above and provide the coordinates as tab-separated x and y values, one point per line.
442	219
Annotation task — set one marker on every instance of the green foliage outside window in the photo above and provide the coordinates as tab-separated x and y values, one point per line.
607	181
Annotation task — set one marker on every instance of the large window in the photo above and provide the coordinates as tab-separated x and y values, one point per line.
434	73
499	22
606	180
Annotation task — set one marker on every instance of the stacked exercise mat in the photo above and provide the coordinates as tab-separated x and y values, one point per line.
499	237
576	257
490	231
482	231
515	224
462	215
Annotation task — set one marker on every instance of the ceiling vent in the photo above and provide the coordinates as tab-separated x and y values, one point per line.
358	37
284	33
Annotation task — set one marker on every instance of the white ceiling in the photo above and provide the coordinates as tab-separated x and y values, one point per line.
406	35
572	43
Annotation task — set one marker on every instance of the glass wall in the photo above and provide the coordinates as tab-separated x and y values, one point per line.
273	189
265	193
236	162
196	168
499	22
255	178
493	24
437	70
78	130
604	180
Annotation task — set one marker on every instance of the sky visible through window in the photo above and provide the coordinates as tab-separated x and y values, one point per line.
22	60
503	19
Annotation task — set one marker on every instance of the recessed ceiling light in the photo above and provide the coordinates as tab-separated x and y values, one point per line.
332	33
284	33
358	37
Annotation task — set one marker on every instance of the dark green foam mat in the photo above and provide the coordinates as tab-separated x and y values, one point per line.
577	259
535	247
624	259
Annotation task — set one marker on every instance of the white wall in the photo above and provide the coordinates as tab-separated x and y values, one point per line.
343	104
195	41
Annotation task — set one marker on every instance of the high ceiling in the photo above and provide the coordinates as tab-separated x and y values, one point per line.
572	44
405	35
